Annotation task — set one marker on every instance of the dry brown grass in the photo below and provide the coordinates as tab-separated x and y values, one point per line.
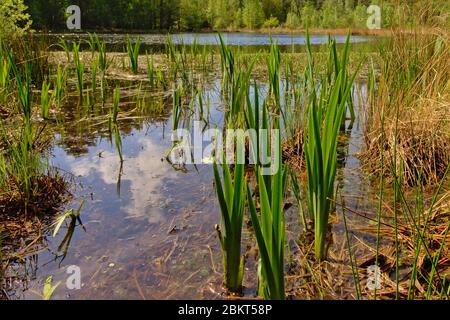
293	152
51	191
409	115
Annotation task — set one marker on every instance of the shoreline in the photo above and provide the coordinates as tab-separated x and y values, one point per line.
280	30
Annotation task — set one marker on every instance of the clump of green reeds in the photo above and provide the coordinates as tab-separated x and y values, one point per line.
5	68
336	66
178	61
133	53
325	116
79	68
270	231
273	64
161	79
60	83
227	62
102	66
23	83
65	47
235	83
92	42
151	69
22	164
25	178
231	197
46	99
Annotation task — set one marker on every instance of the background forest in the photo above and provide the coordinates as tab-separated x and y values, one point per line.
186	15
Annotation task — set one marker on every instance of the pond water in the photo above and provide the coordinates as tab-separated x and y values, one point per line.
250	41
149	228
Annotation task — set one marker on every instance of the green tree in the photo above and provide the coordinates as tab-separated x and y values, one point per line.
192	14
292	21
271	23
275	8
309	16
292	18
253	14
360	16
15	21
47	13
222	13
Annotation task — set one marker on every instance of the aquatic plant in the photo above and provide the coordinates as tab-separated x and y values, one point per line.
65	47
72	215
227	62
161	79
45	100
296	189
113	127
325	116
273	64
151	69
60	83
79	68
239	91
178	61
337	66
321	159
255	122
5	68
103	66
23	82
21	167
118	142
270	232
93	42
176	109
133	53
94	67
49	289
231	196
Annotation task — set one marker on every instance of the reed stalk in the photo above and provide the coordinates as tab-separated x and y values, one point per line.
133	53
270	231
45	100
231	196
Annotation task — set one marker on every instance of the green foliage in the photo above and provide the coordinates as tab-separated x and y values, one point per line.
222	13
45	99
192	14
79	68
5	68
60	83
273	63
325	116
151	69
292	21
166	15
270	231
49	289
15	21
231	196
253	14
271	23
133	53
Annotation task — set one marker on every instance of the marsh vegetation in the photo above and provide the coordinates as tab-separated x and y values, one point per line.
93	171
